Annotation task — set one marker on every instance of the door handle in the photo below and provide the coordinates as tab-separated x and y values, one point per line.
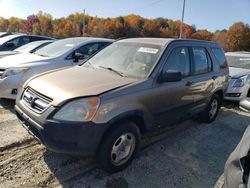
189	83
214	77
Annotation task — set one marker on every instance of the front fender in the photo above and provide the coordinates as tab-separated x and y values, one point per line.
111	113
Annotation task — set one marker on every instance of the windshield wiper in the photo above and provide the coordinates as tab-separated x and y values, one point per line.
113	70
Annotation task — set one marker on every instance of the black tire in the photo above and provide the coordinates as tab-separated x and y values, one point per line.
207	116
107	157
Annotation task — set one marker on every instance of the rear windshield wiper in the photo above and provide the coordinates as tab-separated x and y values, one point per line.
113	70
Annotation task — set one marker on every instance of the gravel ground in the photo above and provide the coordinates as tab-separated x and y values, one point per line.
191	155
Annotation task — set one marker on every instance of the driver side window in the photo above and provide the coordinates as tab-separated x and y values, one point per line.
89	49
178	61
86	50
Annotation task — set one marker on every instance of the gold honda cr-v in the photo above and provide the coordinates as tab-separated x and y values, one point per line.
132	87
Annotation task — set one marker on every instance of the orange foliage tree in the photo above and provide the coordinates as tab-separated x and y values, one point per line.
236	38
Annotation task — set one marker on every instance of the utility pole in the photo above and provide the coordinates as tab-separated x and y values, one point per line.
83	23
183	12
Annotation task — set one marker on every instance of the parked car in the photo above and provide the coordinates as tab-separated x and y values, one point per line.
237	167
27	48
130	88
239	71
11	42
16	69
3	34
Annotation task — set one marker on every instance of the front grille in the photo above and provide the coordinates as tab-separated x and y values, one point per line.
35	100
32	130
1	72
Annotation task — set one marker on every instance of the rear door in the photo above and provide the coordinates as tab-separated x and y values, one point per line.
203	77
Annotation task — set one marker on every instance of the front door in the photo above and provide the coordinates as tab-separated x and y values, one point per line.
172	100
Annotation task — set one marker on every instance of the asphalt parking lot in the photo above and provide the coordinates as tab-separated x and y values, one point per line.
189	154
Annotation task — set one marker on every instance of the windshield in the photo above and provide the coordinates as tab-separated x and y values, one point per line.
239	61
30	46
133	60
59	47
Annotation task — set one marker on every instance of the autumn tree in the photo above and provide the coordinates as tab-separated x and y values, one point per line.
133	25
238	37
45	24
150	29
220	37
76	21
202	35
58	28
15	25
31	20
4	24
95	27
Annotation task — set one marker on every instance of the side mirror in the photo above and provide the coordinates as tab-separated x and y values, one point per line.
9	44
169	76
78	56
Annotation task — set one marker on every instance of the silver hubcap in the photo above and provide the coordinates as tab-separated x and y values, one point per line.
122	149
214	108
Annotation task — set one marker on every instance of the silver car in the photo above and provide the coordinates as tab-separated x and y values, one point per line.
15	69
237	167
239	71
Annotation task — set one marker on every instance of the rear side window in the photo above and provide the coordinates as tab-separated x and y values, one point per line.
220	57
26	40
103	44
178	60
33	38
202	61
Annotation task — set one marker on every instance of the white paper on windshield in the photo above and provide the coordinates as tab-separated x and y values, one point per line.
148	50
69	45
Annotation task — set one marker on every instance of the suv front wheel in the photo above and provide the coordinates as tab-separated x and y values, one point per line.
211	111
119	147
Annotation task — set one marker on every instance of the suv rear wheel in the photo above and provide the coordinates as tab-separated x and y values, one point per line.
119	147
211	111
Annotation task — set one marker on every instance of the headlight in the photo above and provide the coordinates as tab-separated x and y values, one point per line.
78	110
14	71
240	82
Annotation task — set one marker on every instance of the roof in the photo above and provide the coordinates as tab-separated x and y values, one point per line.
163	41
86	39
155	41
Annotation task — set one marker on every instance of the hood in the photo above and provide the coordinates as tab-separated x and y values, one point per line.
6	53
20	59
77	82
238	72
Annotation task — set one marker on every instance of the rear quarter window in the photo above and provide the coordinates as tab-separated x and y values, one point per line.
220	57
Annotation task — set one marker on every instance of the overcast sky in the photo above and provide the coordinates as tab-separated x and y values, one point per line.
205	14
